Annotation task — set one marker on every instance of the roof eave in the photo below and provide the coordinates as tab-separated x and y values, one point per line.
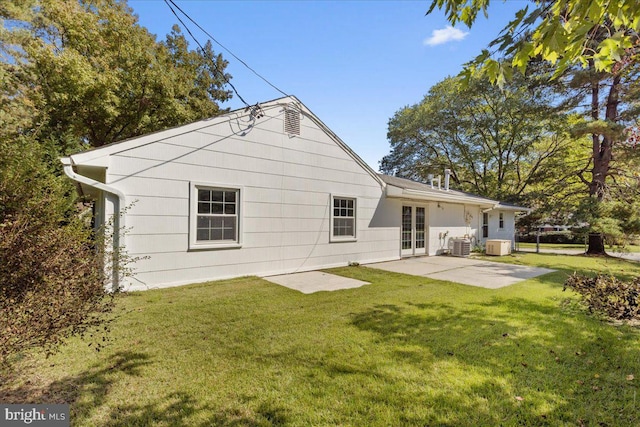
444	197
514	208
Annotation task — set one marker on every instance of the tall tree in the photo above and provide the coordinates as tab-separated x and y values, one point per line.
597	42
497	142
100	77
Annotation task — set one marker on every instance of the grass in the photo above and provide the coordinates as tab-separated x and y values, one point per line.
403	350
628	248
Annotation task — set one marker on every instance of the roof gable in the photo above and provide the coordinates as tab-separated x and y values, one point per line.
99	157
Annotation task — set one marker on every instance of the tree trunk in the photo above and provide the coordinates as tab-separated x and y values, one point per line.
602	147
596	244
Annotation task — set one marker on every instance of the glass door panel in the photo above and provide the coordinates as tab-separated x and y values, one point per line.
407	230
420	235
414	230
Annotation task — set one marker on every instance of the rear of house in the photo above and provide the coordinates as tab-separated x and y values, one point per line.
434	216
261	191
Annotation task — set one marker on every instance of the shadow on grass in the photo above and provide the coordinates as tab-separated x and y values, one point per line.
88	392
527	363
93	384
179	409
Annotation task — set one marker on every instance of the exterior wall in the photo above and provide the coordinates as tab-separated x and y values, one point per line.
451	221
286	184
505	233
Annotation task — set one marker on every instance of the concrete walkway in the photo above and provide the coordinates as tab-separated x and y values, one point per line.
468	271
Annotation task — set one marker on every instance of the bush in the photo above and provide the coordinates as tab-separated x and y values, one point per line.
606	295
51	277
556	237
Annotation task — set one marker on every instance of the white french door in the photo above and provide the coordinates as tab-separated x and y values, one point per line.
413	238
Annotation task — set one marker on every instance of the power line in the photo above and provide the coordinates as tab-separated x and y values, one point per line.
222	46
215	66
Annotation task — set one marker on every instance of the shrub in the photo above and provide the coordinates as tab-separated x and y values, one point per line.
51	277
556	237
607	295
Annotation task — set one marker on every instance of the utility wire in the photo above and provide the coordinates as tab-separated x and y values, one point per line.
225	48
222	46
224	77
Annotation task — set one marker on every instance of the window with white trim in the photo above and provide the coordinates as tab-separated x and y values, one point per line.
501	221
215	217
343	218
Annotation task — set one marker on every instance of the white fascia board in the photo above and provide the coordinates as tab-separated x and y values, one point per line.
101	161
393	191
513	208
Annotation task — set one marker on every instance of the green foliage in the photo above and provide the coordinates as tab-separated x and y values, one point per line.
97	75
552	237
497	142
598	33
51	277
607	295
618	221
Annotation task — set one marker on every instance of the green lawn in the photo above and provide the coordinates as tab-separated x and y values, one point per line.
403	351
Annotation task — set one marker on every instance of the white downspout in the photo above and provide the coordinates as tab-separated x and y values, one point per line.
118	211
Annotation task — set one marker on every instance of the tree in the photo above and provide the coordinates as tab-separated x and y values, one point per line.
563	32
596	42
497	142
100	77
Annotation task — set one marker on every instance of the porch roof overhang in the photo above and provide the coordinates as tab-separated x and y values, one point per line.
443	196
513	208
401	188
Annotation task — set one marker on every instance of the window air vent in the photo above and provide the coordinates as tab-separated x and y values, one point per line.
292	120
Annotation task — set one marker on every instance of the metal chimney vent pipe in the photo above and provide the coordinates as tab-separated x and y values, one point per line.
447	175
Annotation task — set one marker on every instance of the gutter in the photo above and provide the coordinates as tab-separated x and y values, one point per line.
118	215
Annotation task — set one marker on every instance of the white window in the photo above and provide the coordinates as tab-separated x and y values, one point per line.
501	224
215	217
343	219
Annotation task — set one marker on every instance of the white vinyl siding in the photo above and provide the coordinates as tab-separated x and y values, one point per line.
343	218
215	217
284	208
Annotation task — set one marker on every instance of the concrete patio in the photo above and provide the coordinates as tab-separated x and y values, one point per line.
468	271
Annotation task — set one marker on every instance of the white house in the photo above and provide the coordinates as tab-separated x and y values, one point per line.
267	190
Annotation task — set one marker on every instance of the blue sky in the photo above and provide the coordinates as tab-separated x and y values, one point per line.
353	63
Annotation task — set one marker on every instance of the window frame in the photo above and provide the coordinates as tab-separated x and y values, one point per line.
337	239
501	220
194	244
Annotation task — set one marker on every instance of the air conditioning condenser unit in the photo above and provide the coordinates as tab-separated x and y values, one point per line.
461	247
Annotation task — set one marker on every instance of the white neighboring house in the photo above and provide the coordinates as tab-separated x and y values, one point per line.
262	191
